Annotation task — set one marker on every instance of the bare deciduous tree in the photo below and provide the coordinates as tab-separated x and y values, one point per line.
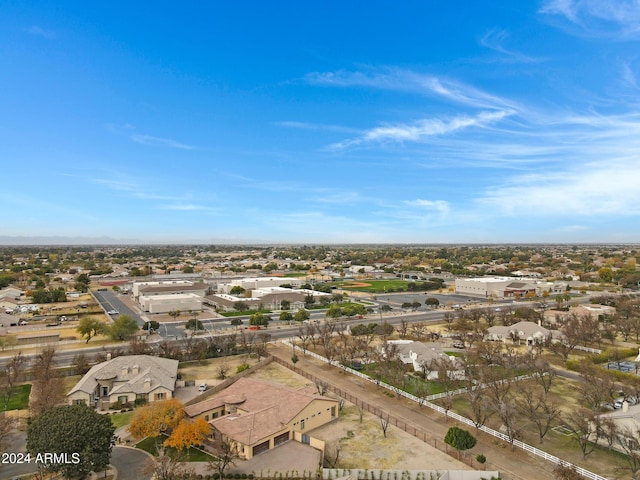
80	364
305	333
403	328
583	425
321	387
332	455
223	369
167	467
448	318
384	423
11	375
6	427
629	441
538	408
507	411
226	454
48	386
596	387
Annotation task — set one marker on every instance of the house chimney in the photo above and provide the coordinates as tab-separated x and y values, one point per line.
147	383
108	356
125	371
625	406
135	370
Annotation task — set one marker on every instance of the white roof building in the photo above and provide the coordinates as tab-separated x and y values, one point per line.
252	283
166	303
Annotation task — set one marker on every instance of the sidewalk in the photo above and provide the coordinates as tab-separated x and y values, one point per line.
513	465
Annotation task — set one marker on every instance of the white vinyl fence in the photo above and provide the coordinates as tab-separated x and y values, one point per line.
427	402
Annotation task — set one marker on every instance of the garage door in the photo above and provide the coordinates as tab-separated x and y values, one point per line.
260	448
281	439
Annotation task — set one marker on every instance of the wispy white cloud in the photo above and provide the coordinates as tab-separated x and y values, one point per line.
324	227
338	198
408	81
628	77
130	131
115	183
189	207
315	126
600	18
41	32
418	131
495	40
573	228
160	142
566	8
602	188
440	206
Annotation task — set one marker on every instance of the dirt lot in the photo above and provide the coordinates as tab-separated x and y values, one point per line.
363	445
208	371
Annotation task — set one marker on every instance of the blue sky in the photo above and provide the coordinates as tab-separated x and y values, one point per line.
341	122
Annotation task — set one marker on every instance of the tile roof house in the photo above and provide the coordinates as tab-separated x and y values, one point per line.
529	331
126	379
11	293
256	416
627	425
422	356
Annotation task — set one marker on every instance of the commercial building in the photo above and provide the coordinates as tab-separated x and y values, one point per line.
166	303
252	283
137	286
506	287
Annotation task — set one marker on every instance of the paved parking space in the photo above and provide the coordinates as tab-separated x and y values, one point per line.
284	458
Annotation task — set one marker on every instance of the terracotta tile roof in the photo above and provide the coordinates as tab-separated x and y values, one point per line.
263	408
201	407
252	427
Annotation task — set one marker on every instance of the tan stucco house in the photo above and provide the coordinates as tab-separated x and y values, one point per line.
126	379
256	416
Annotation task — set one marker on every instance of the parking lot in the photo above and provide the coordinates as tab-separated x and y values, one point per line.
398	299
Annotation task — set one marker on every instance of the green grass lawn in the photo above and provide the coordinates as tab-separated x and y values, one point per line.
246	312
376	286
414	384
121	419
603	461
194	455
19	400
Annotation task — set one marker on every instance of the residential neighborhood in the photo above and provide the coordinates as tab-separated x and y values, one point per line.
244	363
320	240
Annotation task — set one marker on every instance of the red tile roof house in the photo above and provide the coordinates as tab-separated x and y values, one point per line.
256	416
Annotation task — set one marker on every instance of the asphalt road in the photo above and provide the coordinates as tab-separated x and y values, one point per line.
276	329
110	301
128	461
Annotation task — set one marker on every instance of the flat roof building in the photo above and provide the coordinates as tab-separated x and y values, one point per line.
166	303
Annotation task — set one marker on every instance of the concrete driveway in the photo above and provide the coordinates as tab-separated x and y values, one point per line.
284	458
